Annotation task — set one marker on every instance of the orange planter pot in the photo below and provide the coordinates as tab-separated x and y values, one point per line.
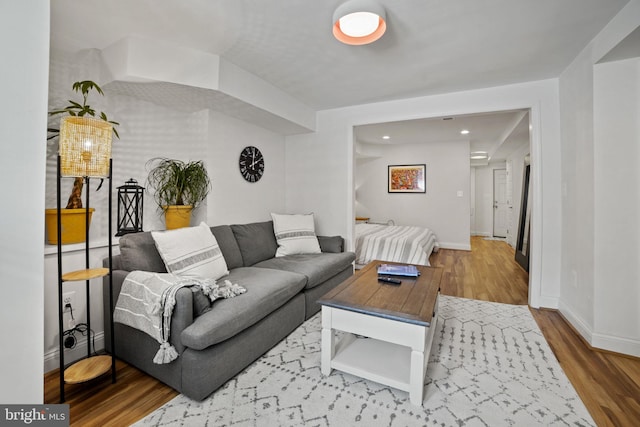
73	225
177	216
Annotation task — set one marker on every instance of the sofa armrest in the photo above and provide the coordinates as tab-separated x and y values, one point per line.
116	260
331	244
182	312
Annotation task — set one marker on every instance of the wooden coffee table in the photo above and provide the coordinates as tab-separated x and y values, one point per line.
389	328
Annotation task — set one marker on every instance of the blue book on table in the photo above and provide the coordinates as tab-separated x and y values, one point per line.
398	270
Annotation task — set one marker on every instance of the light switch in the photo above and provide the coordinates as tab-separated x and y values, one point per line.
460	193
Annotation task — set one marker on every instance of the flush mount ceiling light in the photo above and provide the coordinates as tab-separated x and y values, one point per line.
464	132
479	155
358	22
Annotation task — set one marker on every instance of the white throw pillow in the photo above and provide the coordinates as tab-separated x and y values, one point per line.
191	252
295	234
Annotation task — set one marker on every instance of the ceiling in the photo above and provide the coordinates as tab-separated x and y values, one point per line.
497	133
430	47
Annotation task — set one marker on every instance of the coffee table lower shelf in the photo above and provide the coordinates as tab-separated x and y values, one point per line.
375	360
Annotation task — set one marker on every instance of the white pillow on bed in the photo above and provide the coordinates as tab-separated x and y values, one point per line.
295	234
191	252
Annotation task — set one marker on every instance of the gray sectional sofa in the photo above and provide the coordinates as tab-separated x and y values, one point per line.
217	344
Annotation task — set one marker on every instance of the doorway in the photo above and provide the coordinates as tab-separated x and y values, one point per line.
526	127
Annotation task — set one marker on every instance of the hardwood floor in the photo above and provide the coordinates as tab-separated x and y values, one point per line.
101	403
609	384
488	272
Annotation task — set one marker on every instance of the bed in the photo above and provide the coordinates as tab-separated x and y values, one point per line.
395	243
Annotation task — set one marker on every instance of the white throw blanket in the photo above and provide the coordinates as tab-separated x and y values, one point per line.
147	300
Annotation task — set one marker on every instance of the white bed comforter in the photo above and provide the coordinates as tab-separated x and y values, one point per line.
394	243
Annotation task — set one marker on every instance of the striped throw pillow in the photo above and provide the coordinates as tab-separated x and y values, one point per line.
295	234
191	252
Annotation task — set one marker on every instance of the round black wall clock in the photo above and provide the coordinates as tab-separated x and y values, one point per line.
251	164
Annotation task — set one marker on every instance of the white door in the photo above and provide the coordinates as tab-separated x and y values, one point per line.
500	206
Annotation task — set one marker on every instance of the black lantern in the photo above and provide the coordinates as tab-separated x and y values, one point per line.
130	204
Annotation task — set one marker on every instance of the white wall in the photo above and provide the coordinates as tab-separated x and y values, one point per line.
440	208
322	165
583	269
576	102
234	200
617	201
23	108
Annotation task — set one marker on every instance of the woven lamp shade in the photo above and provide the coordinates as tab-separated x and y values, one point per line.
85	147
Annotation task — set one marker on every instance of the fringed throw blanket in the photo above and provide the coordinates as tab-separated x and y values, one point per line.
147	300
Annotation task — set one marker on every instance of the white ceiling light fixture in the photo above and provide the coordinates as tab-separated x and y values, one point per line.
479	155
464	132
359	22
386	137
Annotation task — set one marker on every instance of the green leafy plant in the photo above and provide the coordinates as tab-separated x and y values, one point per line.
178	183
80	110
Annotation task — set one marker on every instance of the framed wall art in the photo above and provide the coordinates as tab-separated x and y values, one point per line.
407	179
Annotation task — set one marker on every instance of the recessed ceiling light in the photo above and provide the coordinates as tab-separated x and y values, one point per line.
464	132
479	157
386	137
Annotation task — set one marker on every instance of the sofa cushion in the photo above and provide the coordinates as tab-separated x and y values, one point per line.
295	234
256	241
138	252
228	245
267	290
331	243
191	252
315	267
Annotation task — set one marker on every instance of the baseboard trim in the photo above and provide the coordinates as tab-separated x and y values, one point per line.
52	357
481	233
620	345
597	341
455	246
576	322
547	302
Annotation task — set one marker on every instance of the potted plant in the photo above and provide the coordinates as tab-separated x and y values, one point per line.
179	187
72	216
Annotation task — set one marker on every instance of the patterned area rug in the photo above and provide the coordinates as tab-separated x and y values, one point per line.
490	366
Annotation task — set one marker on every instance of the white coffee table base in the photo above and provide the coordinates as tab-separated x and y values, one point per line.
395	354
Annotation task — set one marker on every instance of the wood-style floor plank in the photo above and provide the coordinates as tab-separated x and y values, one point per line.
101	403
488	272
609	384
